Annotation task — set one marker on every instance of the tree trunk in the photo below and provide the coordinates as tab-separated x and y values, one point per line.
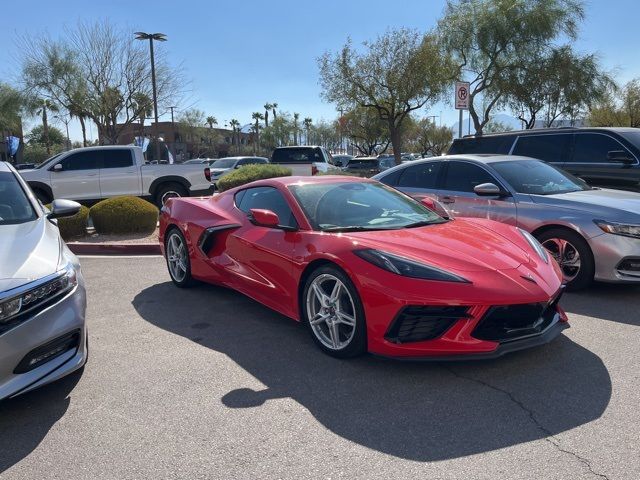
266	118
45	130
84	131
396	141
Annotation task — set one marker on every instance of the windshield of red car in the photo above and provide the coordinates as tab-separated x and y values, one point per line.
360	206
538	178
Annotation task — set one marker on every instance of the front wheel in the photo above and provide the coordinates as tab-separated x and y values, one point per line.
573	254
169	190
333	311
178	262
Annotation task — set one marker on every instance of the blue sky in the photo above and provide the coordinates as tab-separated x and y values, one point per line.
239	55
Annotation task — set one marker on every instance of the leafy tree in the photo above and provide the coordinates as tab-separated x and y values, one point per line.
107	65
619	107
492	39
235	125
367	132
401	71
37	135
12	105
42	107
142	107
429	139
296	127
267	106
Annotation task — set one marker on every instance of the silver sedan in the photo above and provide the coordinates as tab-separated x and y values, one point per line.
593	233
42	295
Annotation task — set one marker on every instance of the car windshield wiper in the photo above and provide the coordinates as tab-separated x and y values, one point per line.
353	228
422	223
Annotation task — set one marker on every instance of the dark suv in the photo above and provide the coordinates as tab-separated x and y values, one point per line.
603	157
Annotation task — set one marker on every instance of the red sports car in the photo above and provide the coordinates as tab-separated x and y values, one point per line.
367	268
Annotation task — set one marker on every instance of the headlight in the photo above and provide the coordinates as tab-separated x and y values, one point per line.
623	229
37	293
406	267
535	244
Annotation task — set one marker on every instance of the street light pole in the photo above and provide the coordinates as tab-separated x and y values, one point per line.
160	37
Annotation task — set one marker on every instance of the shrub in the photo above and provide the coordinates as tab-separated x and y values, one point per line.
250	173
124	215
75	226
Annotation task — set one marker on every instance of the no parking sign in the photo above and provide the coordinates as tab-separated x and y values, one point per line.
462	95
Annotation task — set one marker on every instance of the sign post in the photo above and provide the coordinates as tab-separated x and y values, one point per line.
461	102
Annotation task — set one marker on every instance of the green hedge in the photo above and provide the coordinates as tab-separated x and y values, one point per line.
75	226
124	215
250	173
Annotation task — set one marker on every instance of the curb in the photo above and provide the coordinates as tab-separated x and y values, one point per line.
115	248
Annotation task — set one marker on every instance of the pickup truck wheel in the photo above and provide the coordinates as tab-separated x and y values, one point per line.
169	190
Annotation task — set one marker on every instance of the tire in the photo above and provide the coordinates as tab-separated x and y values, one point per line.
179	268
169	190
351	339
42	196
560	240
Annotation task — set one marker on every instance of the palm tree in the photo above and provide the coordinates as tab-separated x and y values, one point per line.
257	116
296	117
273	109
41	106
267	107
211	121
307	126
235	124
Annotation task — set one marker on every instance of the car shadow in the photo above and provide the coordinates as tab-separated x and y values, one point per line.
38	412
412	410
608	301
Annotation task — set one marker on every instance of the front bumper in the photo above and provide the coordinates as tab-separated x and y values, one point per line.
64	317
609	252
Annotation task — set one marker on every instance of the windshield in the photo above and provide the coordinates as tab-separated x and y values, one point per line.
48	160
343	206
538	178
15	207
224	163
387	162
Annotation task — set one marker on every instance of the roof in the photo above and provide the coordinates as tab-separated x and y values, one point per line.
553	130
4	167
299	180
476	157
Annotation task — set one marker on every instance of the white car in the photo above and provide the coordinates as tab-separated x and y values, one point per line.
42	296
223	166
93	173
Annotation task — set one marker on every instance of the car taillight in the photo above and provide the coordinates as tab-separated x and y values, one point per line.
314	170
207	174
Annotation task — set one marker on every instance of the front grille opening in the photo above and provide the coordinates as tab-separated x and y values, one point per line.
629	266
47	352
504	323
419	323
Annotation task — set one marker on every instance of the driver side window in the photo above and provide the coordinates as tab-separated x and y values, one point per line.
464	177
267	198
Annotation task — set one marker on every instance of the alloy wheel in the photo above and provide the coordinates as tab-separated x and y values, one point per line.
331	312
177	257
567	256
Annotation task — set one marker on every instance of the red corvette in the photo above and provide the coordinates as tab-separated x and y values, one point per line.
367	268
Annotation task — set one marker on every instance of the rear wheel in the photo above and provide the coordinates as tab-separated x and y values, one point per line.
573	254
178	263
333	311
169	190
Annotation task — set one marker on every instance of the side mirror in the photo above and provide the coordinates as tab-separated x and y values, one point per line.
63	208
436	207
57	167
620	156
264	218
488	190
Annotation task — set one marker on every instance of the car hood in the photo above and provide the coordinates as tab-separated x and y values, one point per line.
603	203
460	245
28	251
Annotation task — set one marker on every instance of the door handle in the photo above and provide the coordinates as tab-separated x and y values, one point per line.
447	199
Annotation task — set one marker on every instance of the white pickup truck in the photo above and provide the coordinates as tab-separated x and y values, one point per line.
93	173
302	160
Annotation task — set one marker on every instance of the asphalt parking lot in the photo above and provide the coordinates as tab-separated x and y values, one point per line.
206	383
